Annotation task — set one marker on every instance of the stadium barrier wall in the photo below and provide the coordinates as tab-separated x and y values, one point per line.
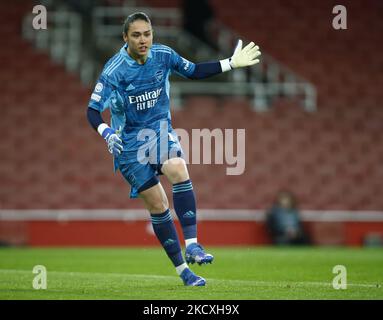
216	227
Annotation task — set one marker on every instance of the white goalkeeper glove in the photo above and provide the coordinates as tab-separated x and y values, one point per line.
242	57
112	139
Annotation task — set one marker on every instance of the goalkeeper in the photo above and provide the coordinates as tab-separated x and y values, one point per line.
134	84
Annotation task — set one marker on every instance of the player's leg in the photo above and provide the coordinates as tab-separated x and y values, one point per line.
156	202
185	206
145	184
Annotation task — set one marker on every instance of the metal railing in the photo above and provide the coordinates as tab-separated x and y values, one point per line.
259	92
63	40
107	22
62	37
270	77
267	80
107	25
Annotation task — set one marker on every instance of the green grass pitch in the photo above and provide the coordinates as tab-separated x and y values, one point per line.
238	273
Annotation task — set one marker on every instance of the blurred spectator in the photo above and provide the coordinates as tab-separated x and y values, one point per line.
197	15
283	221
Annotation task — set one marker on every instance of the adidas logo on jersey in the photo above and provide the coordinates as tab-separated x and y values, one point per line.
130	87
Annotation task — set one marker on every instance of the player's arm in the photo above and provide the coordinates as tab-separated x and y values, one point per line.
97	104
242	57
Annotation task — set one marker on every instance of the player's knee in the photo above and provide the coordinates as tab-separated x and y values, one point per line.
157	204
155	199
176	170
159	207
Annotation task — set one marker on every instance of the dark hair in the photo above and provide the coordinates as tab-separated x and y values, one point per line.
133	17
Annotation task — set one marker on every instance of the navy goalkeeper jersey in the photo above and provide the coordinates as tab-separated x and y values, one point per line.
138	95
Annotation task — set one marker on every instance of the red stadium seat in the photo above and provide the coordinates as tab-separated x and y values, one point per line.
331	159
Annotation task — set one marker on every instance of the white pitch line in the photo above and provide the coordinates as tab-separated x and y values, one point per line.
286	284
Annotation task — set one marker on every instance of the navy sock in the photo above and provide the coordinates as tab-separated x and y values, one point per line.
166	233
185	207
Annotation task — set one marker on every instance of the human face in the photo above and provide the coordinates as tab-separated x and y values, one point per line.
285	201
139	39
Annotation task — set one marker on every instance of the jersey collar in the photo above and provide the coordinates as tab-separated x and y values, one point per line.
129	59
